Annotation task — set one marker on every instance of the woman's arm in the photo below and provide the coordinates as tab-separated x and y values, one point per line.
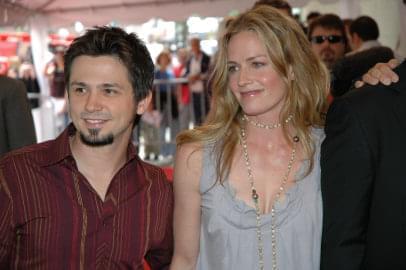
188	166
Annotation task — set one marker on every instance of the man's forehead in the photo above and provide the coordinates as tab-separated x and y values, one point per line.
320	30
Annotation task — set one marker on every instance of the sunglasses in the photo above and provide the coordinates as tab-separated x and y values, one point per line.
331	39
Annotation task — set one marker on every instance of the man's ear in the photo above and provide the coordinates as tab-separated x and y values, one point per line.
144	103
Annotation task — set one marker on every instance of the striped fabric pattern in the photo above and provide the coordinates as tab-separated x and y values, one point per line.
51	217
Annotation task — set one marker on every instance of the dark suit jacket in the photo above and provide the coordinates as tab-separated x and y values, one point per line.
16	123
363	167
350	68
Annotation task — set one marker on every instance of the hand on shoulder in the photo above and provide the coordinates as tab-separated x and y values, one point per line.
380	73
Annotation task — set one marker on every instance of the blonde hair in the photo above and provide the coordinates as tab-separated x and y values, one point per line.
290	53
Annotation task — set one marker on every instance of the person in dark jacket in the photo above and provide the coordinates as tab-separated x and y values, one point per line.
363	178
16	122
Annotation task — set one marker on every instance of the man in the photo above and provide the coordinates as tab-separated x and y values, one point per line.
280	5
364	34
16	123
312	16
327	35
85	200
364	180
197	69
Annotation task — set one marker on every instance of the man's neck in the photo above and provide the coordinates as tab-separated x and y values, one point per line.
99	164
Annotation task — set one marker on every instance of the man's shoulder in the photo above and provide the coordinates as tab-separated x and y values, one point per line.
152	172
372	95
380	92
11	86
31	155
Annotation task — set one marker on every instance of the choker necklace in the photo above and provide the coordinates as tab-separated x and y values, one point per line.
255	199
266	126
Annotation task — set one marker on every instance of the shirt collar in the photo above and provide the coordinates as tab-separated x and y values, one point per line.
59	149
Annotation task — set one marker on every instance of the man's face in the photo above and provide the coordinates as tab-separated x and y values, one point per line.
195	46
328	44
101	100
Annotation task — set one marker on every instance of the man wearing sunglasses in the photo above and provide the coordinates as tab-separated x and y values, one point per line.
327	35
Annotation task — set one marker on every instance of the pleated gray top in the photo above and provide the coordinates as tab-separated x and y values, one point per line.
228	225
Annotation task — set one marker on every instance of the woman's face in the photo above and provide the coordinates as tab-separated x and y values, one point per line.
255	83
163	61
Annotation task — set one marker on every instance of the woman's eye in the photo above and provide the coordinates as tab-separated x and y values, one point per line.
232	69
258	64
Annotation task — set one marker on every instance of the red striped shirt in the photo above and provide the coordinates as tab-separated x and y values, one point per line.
51	218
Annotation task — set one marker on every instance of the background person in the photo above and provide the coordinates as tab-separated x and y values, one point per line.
364	34
16	123
197	73
327	36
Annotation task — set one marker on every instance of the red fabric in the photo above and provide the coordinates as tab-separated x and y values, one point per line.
185	93
169	173
51	217
8	48
146	266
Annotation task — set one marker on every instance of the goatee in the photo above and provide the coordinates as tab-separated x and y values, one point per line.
93	140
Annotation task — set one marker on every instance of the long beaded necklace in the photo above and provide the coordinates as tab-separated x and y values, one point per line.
255	198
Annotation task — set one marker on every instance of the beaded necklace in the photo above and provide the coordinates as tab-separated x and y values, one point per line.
255	197
266	126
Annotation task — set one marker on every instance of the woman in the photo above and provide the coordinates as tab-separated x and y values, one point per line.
247	183
166	102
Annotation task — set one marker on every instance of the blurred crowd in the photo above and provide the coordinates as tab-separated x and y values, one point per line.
348	48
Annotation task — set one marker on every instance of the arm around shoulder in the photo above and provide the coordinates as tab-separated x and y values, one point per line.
188	169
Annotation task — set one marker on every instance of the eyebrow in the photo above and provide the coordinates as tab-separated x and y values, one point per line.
109	85
74	83
103	85
249	58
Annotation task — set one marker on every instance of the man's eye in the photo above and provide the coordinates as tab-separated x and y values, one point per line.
79	90
109	91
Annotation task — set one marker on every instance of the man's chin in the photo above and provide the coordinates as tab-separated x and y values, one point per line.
96	141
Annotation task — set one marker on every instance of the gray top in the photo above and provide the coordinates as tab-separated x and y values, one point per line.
228	225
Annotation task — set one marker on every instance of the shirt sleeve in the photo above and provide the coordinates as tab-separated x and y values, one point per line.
346	182
160	254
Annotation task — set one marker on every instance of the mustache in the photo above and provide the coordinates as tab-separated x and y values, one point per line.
96	115
327	50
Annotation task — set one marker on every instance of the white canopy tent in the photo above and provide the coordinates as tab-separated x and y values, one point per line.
44	15
98	12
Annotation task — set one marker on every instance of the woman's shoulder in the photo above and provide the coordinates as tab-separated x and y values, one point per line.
189	156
